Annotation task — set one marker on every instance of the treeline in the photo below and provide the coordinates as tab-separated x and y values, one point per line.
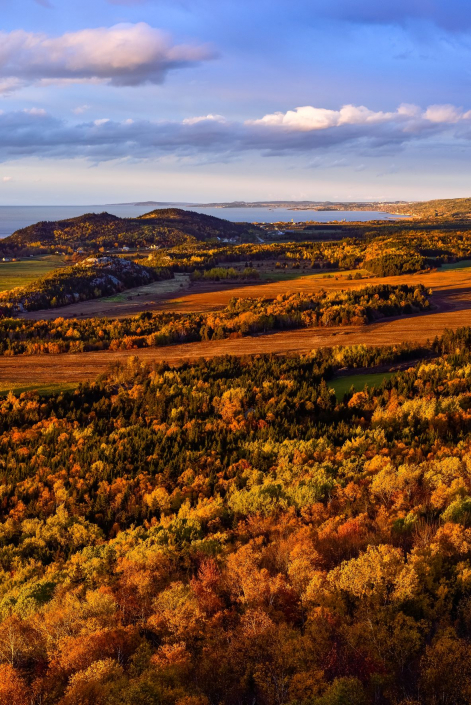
392	264
376	249
91	279
241	317
222	273
228	532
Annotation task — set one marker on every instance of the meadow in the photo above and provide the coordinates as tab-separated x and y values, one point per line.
358	382
25	271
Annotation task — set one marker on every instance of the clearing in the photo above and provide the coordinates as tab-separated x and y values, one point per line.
25	271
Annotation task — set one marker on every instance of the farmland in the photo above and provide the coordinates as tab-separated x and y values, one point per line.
25	271
282	273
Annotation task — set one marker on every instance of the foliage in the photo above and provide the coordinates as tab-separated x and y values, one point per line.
241	317
223	273
229	532
165	227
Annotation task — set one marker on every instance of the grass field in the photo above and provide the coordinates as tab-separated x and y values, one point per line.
45	390
342	385
464	264
27	270
290	275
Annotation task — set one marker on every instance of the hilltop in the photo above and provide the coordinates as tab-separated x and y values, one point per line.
439	208
164	228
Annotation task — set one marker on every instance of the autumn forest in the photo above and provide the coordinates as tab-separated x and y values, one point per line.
258	528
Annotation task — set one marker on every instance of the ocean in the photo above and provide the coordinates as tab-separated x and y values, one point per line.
14	217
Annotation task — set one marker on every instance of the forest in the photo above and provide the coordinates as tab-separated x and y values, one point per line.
241	317
385	251
228	532
165	227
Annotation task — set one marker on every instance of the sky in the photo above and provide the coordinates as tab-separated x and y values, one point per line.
108	101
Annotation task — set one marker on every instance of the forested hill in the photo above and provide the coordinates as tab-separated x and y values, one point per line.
166	228
440	208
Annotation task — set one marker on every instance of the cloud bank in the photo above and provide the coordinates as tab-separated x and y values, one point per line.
308	129
122	55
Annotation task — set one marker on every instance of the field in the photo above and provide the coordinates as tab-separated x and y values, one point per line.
25	271
342	385
451	300
46	389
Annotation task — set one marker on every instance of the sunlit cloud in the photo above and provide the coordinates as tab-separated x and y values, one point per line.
33	132
309	118
122	55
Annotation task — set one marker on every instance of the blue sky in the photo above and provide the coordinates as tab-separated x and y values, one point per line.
206	100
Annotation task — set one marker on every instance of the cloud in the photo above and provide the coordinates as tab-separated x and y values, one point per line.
194	120
452	15
7	179
353	130
122	55
80	109
308	118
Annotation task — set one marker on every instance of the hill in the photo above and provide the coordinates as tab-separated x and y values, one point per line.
164	228
440	208
95	277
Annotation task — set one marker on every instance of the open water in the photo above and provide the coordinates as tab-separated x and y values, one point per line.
14	217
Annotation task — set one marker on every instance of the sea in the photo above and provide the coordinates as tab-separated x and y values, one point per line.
13	218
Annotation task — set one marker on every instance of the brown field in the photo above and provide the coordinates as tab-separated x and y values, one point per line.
448	287
451	298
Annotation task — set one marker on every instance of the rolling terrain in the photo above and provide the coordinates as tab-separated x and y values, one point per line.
164	228
452	310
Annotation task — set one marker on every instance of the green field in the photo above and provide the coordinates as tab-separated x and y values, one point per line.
26	271
342	385
289	275
116	298
457	265
45	390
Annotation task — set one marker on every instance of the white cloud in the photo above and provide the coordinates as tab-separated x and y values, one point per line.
35	111
309	118
7	179
100	122
79	110
123	55
204	118
444	113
